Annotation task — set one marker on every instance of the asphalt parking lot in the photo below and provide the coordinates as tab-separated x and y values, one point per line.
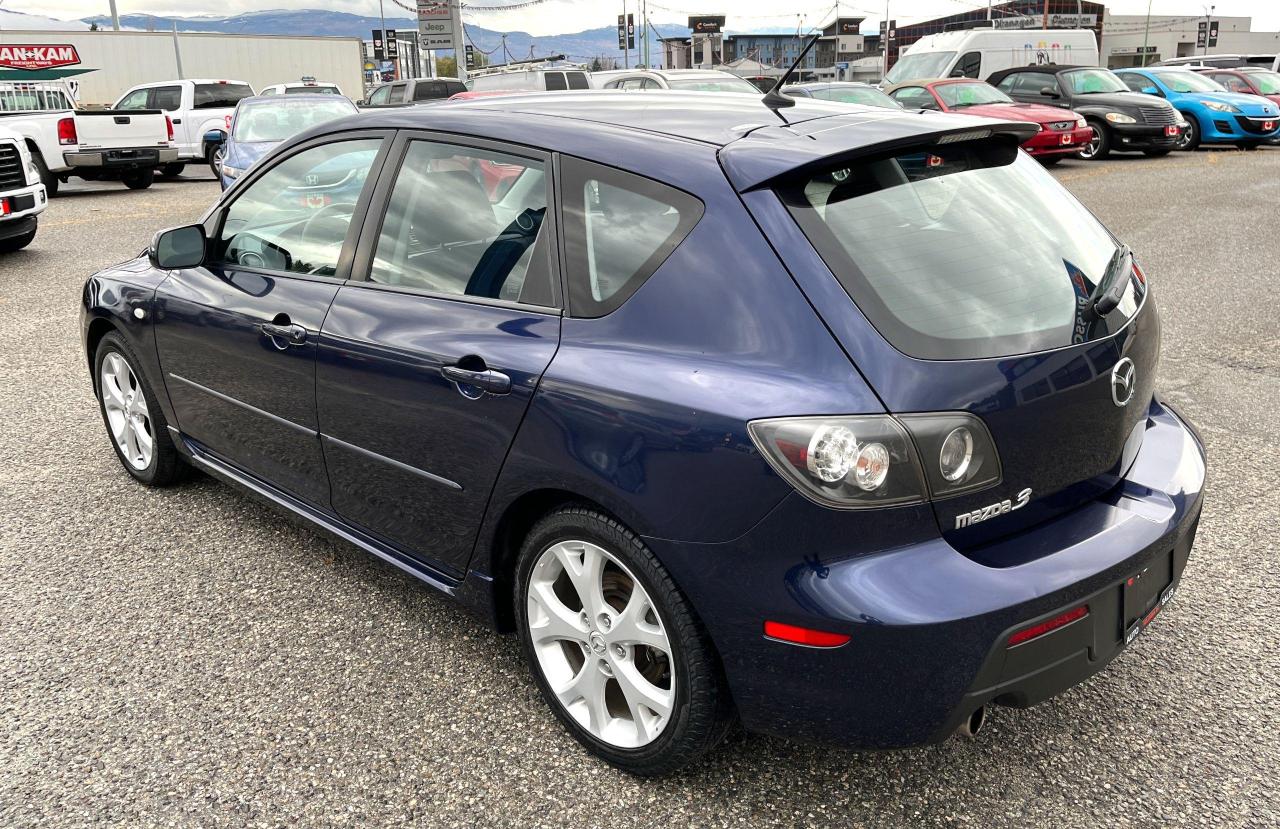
190	658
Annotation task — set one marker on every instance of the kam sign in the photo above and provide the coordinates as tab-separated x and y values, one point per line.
33	58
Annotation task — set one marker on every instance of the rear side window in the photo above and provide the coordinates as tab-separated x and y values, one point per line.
578	80
168	98
555	80
397	94
962	251
220	95
619	228
427	91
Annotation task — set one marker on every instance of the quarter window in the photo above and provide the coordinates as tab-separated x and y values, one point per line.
296	216
619	228
467	222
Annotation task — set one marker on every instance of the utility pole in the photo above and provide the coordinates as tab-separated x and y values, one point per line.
115	17
1208	24
626	36
382	15
886	39
1146	33
177	51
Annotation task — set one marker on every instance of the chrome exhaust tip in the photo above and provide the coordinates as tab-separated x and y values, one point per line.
973	723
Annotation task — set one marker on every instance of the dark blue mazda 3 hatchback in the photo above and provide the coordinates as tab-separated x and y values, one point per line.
836	422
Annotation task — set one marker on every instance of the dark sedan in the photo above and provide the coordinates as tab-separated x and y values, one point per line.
840	423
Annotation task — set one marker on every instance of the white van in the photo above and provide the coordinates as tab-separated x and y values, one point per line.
976	53
529	79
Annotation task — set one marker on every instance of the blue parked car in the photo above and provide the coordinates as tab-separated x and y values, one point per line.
260	124
1213	114
844	428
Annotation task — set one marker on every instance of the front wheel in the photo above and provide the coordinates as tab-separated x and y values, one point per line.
16	243
1099	145
614	647
1190	138
139	179
135	423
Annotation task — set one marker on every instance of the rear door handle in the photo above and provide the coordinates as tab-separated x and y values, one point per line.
293	334
494	382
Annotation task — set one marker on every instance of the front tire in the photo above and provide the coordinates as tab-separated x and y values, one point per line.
139	179
1099	145
16	243
614	647
1191	135
133	417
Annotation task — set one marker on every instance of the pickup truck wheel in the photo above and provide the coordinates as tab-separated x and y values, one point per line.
171	170
14	243
49	180
139	179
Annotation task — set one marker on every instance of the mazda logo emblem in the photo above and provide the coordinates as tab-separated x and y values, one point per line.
1122	382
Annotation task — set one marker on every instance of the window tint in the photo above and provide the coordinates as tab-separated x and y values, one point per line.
467	221
167	98
555	80
397	94
968	66
220	95
134	100
578	80
619	228
926	250
295	217
427	90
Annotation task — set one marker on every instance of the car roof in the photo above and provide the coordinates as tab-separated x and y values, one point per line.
830	84
1042	68
322	97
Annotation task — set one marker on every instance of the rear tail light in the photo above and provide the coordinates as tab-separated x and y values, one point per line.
795	635
67	131
863	461
168	125
1048	626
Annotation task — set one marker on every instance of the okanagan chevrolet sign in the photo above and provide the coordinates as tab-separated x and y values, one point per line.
38	57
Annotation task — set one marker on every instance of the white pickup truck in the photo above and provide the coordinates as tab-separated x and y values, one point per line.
200	110
92	144
22	196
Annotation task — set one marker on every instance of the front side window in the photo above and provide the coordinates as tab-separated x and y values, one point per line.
1268	82
619	228
721	84
295	216
915	97
379	96
969	66
1136	83
1189	82
280	119
220	95
961	95
467	222
962	251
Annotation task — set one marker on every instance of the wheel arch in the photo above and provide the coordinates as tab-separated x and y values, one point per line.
98	328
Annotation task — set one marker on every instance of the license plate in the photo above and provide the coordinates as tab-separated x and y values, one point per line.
1171	130
1066	139
1145	595
1269	125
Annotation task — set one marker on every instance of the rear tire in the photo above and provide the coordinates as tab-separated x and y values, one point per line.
139	179
591	657
132	414
16	243
49	180
172	170
1099	146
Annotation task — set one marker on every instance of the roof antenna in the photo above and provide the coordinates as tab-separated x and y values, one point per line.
774	99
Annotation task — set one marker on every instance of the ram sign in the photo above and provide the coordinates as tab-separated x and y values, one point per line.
35	57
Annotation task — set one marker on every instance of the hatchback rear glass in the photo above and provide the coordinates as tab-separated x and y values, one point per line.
962	251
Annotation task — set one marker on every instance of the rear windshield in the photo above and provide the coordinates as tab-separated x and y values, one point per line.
311	90
220	95
280	119
714	84
962	251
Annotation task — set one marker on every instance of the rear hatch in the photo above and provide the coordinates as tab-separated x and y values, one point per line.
965	278
118	129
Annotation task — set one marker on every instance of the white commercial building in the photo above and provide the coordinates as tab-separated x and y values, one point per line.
1175	37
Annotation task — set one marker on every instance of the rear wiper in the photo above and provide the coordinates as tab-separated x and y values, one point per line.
1106	296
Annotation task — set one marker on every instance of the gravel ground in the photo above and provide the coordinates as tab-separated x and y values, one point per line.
189	658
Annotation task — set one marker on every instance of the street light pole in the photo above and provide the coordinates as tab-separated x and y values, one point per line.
1146	32
115	17
1208	23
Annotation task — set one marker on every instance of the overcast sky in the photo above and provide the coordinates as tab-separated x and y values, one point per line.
557	16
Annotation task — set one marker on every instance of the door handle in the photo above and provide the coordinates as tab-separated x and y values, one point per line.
291	334
176	120
494	382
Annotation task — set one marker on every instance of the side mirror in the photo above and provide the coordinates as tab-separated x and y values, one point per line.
956	73
1049	92
178	247
1150	90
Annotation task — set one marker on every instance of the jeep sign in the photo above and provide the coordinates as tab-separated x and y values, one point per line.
32	58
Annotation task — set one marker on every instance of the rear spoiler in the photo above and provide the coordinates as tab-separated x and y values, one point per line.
769	153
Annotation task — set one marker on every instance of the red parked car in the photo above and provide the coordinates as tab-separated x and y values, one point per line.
1247	79
1062	132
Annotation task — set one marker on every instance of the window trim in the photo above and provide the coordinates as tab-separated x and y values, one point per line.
380	201
342	272
577	169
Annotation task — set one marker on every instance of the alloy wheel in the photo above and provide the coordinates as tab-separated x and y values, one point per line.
1090	149
127	414
601	644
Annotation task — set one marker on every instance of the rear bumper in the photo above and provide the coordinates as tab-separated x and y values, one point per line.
929	627
122	158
